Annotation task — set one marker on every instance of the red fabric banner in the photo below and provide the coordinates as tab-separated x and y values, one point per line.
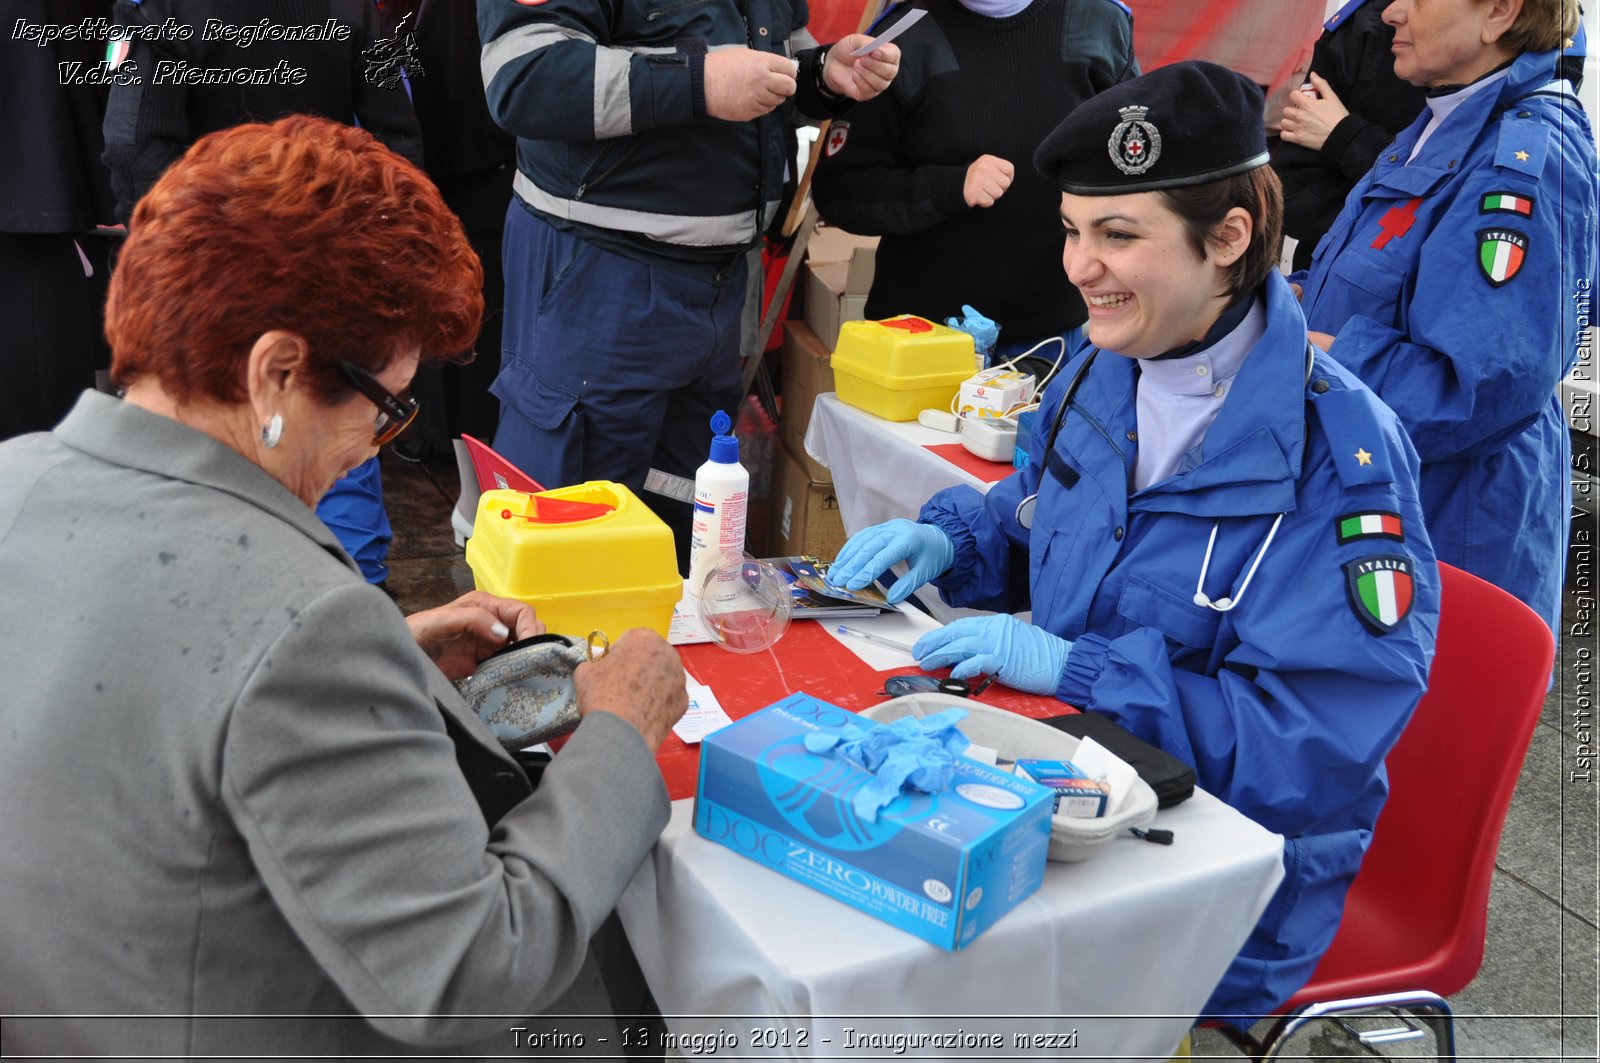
1265	40
1268	41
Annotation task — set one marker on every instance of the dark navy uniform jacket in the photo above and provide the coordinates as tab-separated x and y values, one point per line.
1455	287
1285	705
607	102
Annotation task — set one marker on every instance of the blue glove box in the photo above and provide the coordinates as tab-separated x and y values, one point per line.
941	866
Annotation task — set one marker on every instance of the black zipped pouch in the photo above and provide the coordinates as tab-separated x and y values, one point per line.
1169	777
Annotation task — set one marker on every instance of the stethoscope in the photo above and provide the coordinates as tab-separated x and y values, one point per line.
1227	603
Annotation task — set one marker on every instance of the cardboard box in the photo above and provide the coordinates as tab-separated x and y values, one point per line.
839	269
1076	793
828	244
806	373
805	514
944	866
829	300
994	392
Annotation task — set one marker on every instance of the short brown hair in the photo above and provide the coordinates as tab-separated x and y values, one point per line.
1542	26
1202	208
304	225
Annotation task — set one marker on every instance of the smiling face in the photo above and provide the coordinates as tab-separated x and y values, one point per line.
1448	42
1146	289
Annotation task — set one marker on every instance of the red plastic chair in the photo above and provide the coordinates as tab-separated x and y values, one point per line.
1415	918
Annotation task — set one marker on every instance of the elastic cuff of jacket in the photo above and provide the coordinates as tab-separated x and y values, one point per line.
965	564
697	85
1085	661
1340	137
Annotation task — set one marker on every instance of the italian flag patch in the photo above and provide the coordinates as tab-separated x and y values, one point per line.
1373	524
1507	203
1501	253
1380	590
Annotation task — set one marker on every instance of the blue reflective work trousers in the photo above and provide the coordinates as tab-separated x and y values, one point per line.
611	366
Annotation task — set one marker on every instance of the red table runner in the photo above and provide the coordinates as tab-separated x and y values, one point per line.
988	471
807	659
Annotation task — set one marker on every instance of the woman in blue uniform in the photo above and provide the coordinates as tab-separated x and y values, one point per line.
1218	530
1457	279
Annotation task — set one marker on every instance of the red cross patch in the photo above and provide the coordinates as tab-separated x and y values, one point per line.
838	133
1396	222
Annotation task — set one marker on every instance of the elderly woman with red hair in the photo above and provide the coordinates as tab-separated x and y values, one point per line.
235	782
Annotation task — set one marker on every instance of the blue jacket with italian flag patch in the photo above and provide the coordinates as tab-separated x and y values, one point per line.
1456	286
1286	704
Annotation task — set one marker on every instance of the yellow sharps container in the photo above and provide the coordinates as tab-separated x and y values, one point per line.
901	366
591	557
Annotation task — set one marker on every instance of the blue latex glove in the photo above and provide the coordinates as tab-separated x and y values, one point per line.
869	553
1019	654
908	754
985	333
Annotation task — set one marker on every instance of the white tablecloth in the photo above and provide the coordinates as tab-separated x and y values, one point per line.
1123	948
880	468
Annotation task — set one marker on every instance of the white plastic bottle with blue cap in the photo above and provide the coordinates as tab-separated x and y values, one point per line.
721	501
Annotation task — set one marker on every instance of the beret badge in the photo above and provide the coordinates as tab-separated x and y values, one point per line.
1135	144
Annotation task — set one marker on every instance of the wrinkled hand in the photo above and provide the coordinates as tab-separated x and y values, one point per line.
1320	339
1307	120
459	635
1020	655
869	553
743	84
860	77
640	678
987	180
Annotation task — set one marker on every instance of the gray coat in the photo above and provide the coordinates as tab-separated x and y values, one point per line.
231	783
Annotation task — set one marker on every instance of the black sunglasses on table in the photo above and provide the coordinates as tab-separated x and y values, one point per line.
898	686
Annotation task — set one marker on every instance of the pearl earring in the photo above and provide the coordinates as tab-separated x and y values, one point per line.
272	434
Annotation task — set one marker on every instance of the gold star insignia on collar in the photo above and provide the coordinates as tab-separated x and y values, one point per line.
1363	457
1568	44
1522	156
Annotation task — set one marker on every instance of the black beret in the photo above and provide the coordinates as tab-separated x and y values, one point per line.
1183	124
